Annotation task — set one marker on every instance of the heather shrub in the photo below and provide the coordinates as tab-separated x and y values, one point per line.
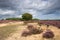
31	30
30	27
34	30
25	33
59	27
25	22
47	25
48	34
39	23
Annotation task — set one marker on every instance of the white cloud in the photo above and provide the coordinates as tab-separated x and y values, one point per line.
3	12
32	4
19	16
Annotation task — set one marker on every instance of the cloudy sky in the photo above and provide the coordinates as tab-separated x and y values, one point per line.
42	9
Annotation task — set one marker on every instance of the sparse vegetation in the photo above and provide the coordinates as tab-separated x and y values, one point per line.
34	30
39	23
31	31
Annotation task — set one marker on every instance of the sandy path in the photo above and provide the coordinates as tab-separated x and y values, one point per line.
2	25
11	23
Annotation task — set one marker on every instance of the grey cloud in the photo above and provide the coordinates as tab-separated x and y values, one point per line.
7	4
8	16
55	6
21	6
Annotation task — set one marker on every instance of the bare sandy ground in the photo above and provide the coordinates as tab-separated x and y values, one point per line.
10	23
1	25
17	34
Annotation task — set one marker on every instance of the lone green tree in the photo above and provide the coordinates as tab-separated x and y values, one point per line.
27	16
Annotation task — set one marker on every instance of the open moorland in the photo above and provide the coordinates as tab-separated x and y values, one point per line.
14	30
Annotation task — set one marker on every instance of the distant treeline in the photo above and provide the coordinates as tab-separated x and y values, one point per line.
14	19
19	19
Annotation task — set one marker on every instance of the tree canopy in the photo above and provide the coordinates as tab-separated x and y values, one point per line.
27	16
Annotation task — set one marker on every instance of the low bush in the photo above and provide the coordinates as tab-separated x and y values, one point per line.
30	27
48	34
31	30
39	23
34	30
25	33
47	26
